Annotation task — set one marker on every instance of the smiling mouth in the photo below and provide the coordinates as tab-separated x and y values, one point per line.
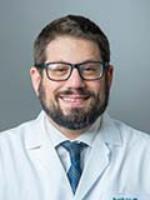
74	100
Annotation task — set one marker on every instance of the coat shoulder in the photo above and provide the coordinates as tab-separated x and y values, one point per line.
133	137
18	135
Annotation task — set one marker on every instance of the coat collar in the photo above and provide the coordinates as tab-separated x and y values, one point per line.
110	131
98	161
35	135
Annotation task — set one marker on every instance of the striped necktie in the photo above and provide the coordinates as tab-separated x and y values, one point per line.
74	171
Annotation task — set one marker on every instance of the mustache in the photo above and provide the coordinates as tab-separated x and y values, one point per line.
79	91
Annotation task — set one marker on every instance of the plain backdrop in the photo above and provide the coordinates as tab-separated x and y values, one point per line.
125	22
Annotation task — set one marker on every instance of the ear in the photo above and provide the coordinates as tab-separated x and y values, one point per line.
110	73
35	78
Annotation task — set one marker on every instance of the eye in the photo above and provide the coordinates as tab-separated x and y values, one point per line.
91	68
58	69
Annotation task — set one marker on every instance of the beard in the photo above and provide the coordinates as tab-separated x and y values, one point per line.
78	118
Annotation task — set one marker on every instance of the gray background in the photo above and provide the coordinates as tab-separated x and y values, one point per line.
126	23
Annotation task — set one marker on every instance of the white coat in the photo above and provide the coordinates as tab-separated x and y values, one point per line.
118	167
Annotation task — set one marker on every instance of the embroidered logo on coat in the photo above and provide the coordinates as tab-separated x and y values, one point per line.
124	198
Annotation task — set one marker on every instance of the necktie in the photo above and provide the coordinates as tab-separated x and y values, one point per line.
74	171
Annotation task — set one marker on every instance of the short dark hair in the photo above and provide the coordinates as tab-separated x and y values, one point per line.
71	25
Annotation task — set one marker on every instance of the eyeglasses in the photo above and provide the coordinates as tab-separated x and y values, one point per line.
61	71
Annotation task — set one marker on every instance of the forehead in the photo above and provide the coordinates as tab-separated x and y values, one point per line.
72	49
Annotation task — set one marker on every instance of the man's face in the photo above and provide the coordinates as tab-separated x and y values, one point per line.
74	103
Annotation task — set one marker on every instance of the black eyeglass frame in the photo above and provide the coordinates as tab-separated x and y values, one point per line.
105	66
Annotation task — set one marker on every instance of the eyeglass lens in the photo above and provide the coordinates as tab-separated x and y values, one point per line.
62	71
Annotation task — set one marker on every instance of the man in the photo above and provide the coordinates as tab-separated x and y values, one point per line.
73	150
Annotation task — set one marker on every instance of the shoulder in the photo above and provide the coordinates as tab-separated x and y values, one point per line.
133	138
17	134
128	138
127	130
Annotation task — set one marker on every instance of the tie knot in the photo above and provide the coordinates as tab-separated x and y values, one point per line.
73	148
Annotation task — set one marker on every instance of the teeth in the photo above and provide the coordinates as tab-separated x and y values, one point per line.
71	100
74	98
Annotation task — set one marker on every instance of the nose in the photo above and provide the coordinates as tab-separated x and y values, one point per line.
75	80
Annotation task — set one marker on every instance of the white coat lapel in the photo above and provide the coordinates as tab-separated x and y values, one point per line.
94	168
99	157
45	158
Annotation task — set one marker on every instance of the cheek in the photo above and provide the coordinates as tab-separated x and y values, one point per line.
97	86
51	89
